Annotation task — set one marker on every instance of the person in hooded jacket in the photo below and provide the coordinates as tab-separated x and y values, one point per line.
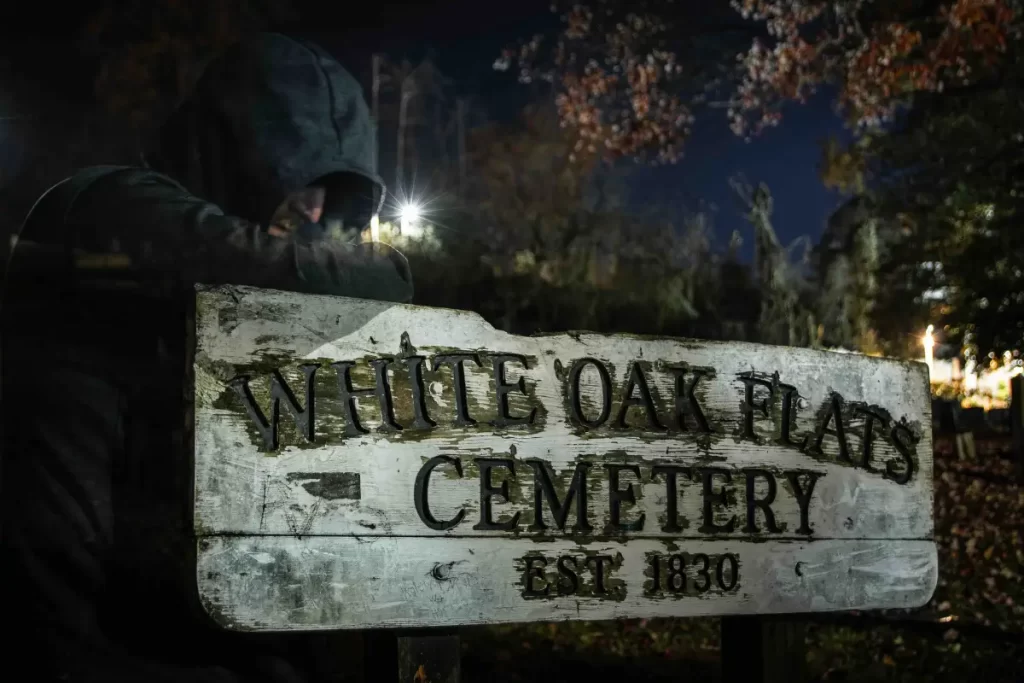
263	177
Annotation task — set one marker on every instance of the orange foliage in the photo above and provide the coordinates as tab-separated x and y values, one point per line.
621	86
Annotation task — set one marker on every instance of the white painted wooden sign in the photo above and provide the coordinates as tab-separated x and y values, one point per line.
364	464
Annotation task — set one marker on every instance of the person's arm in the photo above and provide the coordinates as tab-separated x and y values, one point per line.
159	227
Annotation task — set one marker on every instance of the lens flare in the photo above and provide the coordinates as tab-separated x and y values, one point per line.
411	212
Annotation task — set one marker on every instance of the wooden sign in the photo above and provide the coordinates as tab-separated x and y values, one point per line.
362	464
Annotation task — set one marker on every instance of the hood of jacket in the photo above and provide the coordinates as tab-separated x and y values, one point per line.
269	116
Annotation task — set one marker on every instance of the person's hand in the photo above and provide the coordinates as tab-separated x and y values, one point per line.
368	270
302	206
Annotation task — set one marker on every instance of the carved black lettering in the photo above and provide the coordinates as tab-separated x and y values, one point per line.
544	488
671	472
575	405
803	496
488	492
535	572
421	420
421	494
599	571
569	574
734	572
764	503
637	380
903	440
789	396
703	573
686	402
617	496
456	362
381	389
654	562
675	573
502	388
305	419
750	381
712	498
834	411
871	417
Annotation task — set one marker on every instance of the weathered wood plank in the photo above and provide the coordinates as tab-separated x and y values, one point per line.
1017	424
281	582
621	442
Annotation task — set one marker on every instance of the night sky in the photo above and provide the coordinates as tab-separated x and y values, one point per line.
465	41
786	158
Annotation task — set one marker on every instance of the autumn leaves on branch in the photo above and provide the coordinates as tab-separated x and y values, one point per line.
625	86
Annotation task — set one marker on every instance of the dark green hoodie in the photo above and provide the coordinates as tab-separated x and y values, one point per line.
97	567
270	116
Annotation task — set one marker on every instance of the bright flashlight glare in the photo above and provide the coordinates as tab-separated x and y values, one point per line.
411	213
409	219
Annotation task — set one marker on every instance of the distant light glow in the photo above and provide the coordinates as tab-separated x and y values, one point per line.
971	375
928	341
409	218
411	212
375	228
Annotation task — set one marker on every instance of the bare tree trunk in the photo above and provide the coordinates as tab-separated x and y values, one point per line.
441	137
375	88
403	111
461	120
413	149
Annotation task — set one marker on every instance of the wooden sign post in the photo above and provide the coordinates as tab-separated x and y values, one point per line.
368	465
1017	425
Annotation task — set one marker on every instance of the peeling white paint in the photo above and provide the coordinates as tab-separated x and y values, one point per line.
851	575
281	551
